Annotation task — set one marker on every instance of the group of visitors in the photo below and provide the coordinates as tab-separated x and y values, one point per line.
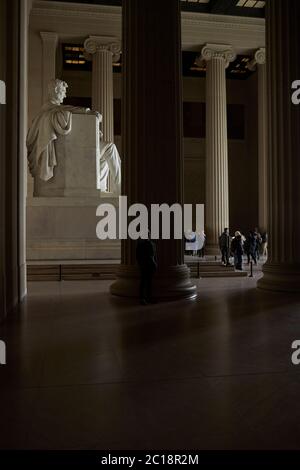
253	246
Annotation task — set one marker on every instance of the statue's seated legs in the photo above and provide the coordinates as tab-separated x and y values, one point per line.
110	163
104	173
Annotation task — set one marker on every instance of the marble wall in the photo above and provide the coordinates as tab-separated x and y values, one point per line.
242	154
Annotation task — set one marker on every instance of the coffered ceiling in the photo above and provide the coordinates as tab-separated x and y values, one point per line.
250	8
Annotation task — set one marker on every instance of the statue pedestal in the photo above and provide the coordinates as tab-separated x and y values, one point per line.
61	217
77	172
64	228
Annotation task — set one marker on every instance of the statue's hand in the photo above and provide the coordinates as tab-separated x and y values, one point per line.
88	111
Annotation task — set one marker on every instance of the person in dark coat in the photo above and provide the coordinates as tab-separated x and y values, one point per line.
146	259
251	247
237	250
224	244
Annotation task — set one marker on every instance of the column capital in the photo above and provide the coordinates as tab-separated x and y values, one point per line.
94	44
218	51
258	58
49	36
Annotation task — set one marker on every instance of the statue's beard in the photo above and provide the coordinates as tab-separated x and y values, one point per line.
56	101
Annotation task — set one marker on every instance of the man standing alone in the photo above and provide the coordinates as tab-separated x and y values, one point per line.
224	244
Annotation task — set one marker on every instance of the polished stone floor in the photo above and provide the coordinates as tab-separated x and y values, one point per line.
89	371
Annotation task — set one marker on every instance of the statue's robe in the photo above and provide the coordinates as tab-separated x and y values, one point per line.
53	120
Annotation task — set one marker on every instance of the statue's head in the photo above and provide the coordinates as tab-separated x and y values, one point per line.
57	90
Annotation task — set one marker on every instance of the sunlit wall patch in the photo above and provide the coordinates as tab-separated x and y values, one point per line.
2	353
2	92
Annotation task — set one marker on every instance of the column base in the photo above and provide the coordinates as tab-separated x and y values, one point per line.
173	283
280	278
212	250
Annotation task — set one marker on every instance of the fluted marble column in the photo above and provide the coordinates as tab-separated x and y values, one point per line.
104	51
152	162
259	61
282	270
260	58
217	191
49	40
